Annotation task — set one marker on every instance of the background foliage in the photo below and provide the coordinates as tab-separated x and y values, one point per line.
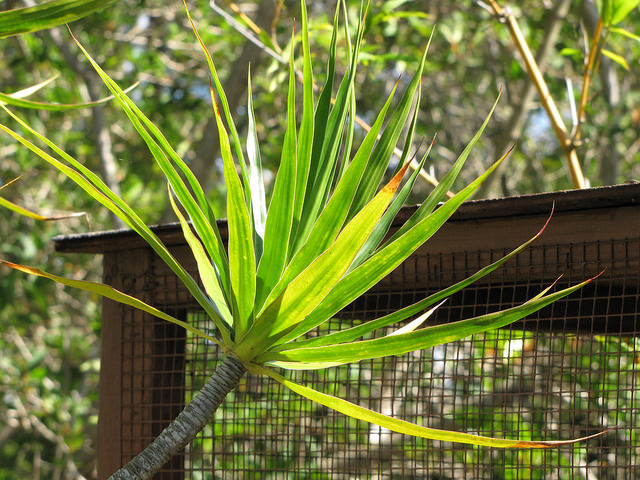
49	339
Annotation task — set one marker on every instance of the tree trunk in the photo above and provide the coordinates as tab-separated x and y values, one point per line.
187	424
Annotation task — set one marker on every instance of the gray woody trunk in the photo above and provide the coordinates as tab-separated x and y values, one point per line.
187	424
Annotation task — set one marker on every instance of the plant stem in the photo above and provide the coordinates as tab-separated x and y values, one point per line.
186	425
546	99
609	164
522	101
589	67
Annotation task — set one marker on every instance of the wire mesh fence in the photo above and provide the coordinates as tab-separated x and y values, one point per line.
568	371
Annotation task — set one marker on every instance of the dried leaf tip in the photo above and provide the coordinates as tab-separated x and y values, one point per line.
546	224
598	275
558	443
71	33
397	178
21	268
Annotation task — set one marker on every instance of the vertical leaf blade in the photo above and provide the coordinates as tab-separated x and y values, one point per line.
242	261
333	216
306	136
281	209
256	180
308	289
207	271
225	106
319	185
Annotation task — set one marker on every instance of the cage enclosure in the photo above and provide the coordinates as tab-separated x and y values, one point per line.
567	371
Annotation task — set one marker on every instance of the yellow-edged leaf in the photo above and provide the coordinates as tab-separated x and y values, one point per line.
16	100
299	297
408	428
111	293
242	260
206	269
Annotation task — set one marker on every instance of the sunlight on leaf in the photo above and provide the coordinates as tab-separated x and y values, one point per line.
16	99
408	428
47	15
619	59
113	294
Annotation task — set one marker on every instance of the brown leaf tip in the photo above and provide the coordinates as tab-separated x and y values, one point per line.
397	178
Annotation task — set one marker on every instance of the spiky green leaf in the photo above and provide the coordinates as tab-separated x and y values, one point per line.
206	269
408	428
376	267
242	260
308	289
440	192
359	331
191	197
332	218
281	209
256	180
384	149
411	341
96	188
111	293
47	15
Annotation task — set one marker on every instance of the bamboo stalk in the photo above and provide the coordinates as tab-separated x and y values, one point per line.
586	83
559	127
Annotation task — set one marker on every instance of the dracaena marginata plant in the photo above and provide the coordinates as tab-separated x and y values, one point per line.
323	241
